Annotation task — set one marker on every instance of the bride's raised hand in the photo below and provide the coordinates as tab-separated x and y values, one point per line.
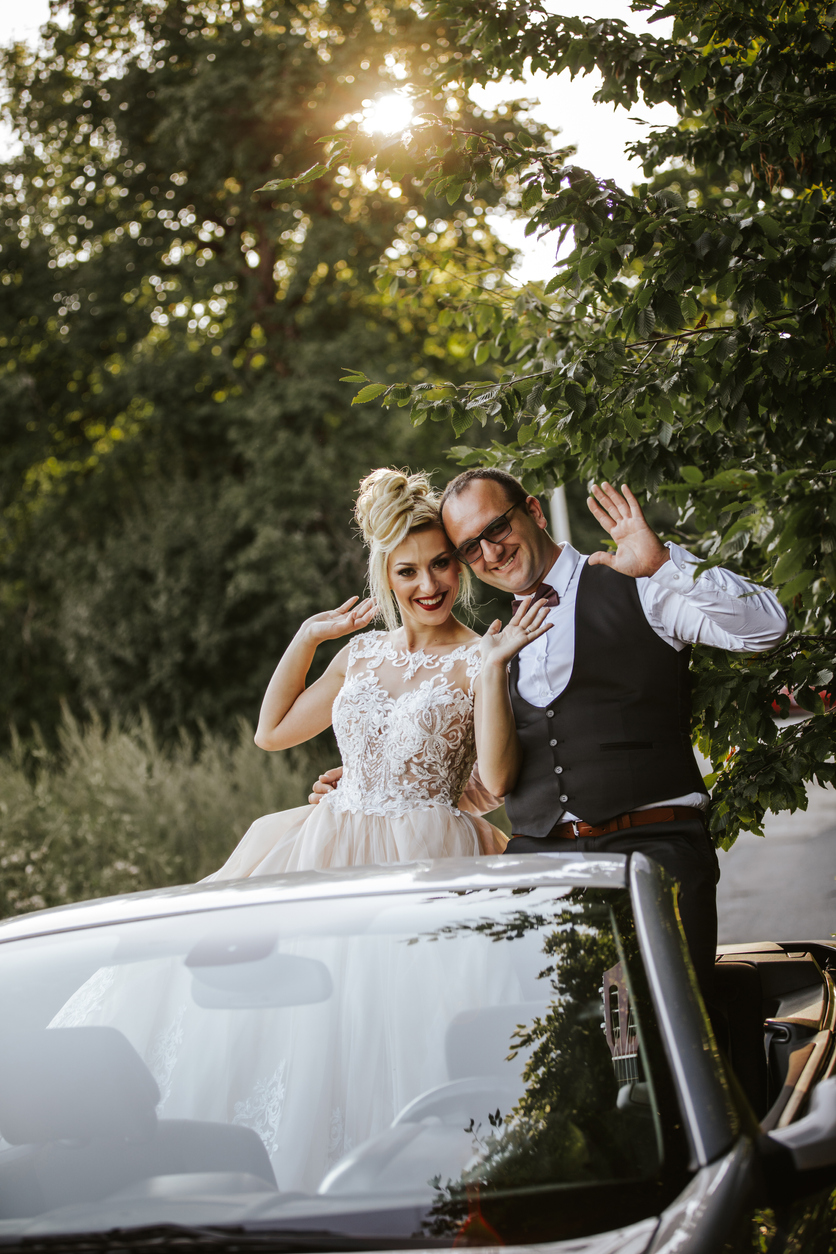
501	644
352	615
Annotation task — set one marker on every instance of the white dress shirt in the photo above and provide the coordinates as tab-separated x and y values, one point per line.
717	608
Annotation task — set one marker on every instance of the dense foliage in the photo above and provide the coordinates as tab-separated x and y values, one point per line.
176	457
686	343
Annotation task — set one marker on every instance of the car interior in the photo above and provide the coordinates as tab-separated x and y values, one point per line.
77	1110
776	1017
78	1115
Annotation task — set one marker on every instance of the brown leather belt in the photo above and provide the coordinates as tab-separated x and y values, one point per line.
577	829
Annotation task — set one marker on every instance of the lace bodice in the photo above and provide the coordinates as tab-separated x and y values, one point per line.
404	724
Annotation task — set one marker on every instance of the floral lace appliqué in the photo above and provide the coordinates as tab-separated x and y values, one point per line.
411	748
262	1110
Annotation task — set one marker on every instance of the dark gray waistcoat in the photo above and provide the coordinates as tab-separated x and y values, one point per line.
618	736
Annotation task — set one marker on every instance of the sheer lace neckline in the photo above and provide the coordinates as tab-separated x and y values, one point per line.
458	651
377	647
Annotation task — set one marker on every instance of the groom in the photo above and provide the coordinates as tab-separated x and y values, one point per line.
601	702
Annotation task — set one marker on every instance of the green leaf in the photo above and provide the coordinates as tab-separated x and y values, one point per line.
532	194
726	286
771	228
645	323
791	560
575	396
668	310
690	308
633	424
315	172
691	474
462	419
791	590
369	393
560	280
588	264
768	293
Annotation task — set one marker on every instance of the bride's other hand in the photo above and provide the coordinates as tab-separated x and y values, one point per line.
501	644
497	743
331	624
326	783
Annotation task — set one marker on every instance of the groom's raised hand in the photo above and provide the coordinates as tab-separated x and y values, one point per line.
640	552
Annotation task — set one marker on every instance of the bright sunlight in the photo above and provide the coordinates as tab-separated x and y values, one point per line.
388	114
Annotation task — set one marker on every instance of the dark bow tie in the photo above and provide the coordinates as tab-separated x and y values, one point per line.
544	593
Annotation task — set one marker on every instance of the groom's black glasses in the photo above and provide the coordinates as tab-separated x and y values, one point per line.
495	531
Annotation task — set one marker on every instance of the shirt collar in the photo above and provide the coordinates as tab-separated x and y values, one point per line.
562	573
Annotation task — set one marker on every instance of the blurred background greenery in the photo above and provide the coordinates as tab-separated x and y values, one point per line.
177	455
108	810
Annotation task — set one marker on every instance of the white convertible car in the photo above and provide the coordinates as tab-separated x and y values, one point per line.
494	1051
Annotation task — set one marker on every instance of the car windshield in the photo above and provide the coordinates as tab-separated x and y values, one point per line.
472	1066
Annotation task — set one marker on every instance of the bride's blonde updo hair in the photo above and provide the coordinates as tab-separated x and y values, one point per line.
391	504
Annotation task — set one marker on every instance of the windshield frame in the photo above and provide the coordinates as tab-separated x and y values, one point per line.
703	1094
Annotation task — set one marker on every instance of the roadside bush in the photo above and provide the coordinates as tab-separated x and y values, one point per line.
110	811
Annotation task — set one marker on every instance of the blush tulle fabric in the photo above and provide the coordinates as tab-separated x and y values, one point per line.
404	726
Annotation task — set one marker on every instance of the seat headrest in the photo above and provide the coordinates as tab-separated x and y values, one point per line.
73	1084
478	1041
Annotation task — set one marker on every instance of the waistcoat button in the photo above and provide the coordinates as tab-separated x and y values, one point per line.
552	743
564	798
558	770
549	713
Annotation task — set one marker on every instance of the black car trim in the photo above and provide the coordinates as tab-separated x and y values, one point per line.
704	1098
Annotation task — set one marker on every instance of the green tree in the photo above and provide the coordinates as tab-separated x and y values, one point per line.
177	455
686	343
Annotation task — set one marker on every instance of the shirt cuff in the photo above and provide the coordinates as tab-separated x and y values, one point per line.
677	574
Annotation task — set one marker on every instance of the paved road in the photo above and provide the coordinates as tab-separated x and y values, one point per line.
782	886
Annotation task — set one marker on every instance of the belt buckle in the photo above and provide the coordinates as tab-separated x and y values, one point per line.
575	824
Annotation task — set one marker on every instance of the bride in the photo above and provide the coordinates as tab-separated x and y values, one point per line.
412	706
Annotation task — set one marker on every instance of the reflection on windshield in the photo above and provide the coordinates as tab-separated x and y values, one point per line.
427	1066
584	1113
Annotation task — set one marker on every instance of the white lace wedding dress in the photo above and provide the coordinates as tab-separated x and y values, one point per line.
404	726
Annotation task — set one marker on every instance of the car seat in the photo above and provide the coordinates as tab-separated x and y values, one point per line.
77	1108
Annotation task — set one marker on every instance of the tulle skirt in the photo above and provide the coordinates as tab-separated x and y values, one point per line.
311	838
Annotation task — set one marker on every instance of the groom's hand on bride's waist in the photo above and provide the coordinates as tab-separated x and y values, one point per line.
325	784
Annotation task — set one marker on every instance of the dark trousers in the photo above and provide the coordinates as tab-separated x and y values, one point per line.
685	850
